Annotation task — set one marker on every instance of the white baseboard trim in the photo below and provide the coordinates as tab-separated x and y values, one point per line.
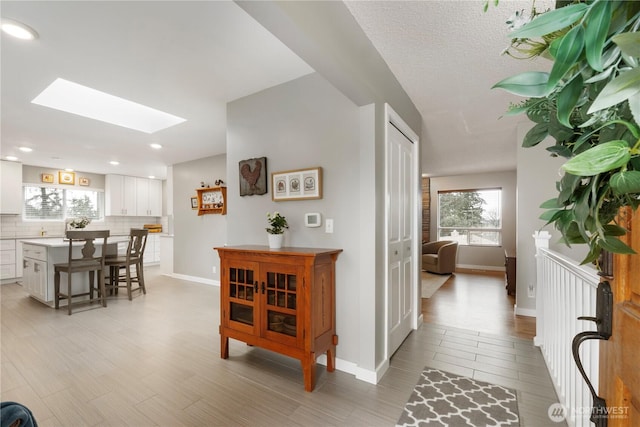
195	279
537	341
371	377
480	267
530	312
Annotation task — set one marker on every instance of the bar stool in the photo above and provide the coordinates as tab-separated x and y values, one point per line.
84	261
133	257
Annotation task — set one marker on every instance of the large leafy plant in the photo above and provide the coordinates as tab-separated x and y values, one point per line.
590	104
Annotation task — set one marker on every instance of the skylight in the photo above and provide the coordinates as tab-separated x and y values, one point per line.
84	101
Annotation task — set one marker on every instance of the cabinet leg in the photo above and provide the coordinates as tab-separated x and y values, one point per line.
309	372
224	347
331	359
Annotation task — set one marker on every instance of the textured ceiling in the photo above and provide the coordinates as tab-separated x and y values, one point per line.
447	55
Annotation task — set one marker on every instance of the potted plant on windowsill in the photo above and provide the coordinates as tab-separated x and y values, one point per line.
275	233
590	104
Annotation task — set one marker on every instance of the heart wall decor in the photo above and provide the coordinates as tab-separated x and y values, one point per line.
253	176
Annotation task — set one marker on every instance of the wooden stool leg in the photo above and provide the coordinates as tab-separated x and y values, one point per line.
92	284
128	277
56	288
103	290
140	273
69	292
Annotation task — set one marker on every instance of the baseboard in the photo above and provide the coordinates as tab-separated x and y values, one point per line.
530	312
479	267
371	377
195	279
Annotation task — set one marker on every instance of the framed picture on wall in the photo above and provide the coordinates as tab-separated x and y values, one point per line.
83	181
253	176
65	177
194	202
299	184
47	177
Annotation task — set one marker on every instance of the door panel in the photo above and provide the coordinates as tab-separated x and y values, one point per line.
620	355
400	237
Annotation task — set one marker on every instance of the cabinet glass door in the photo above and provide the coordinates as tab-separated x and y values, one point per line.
242	290
282	300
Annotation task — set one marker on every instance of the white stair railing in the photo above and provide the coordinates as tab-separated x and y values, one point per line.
565	291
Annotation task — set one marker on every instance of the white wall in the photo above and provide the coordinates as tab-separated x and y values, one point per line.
537	176
301	124
491	258
195	236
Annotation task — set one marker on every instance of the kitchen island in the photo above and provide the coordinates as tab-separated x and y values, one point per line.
39	257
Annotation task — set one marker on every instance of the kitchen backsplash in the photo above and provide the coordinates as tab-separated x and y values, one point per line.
14	226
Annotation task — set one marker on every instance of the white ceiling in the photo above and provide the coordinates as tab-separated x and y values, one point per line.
184	58
191	58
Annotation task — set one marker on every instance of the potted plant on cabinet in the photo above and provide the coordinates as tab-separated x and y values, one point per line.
275	231
590	104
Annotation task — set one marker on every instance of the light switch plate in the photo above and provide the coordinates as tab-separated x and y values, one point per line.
328	225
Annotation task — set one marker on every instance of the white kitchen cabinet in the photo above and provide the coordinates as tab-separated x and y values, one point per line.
7	259
10	188
120	195
35	272
152	250
148	197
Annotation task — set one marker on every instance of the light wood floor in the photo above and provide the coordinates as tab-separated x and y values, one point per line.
155	361
477	301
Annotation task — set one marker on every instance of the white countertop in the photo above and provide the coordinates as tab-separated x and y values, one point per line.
59	242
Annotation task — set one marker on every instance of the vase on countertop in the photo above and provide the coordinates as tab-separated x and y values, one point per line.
275	240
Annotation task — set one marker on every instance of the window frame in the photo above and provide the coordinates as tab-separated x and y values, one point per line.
470	230
100	193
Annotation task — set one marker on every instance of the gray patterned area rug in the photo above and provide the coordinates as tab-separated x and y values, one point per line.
441	399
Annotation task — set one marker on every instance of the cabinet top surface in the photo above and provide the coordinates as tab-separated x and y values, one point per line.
282	251
61	242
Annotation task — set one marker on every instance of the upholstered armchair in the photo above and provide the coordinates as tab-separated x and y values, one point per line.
440	257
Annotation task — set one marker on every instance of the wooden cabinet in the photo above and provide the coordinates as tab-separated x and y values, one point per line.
510	268
212	200
281	300
10	188
7	259
120	195
35	272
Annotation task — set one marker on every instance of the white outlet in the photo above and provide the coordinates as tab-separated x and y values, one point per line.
531	291
215	270
328	225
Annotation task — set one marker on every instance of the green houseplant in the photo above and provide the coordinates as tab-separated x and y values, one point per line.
275	231
590	104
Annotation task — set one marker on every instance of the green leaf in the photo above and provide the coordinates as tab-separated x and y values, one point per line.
634	105
550	204
569	50
529	84
629	43
535	135
549	215
617	90
625	182
598	159
596	29
601	76
614	230
567	100
594	253
551	21
613	244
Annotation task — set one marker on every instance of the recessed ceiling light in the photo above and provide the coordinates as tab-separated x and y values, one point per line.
18	29
25	149
114	163
84	101
152	177
156	146
68	170
11	158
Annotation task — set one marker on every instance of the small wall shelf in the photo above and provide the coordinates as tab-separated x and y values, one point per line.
212	200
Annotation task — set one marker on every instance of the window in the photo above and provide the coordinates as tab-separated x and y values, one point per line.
470	217
52	203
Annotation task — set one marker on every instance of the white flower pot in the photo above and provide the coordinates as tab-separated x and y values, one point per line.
275	240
